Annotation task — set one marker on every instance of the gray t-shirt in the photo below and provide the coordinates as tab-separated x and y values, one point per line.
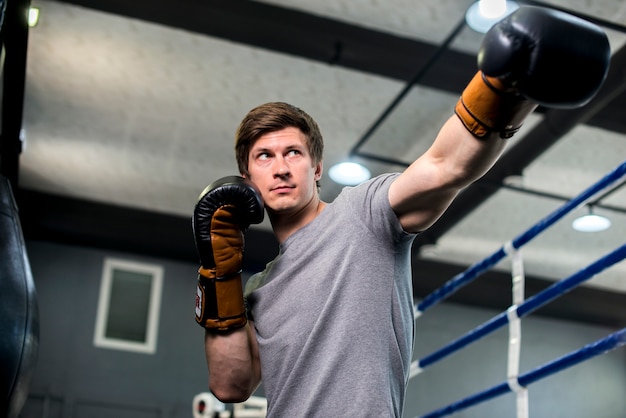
333	312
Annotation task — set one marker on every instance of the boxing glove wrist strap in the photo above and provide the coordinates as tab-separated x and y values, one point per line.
487	105
219	301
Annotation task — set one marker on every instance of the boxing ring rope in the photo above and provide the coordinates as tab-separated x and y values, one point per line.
601	346
519	311
480	267
521	307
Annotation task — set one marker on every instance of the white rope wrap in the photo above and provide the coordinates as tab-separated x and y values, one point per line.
415	370
519	279
508	248
515	331
515	335
521	394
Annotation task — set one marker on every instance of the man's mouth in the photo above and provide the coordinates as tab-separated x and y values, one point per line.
282	189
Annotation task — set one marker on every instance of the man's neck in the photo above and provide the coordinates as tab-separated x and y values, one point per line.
286	224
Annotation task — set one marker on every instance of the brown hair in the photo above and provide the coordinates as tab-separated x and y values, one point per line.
271	117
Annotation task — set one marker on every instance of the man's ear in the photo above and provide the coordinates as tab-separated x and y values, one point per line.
319	169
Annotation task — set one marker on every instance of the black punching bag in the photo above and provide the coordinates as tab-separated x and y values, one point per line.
19	315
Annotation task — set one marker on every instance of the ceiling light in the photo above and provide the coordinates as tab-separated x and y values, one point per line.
483	14
33	17
591	223
349	173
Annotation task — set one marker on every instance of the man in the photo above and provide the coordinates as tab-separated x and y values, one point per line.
329	326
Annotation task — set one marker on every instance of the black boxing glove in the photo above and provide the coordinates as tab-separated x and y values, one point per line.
224	211
533	56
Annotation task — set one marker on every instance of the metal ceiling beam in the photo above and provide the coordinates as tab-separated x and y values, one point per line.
319	38
297	33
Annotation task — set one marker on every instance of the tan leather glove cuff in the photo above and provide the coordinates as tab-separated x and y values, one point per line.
219	301
486	105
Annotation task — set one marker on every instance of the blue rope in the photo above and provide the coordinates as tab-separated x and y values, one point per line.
528	306
475	270
602	346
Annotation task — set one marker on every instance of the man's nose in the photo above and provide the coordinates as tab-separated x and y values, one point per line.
281	167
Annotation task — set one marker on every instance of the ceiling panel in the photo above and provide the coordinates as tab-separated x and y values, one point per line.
138	110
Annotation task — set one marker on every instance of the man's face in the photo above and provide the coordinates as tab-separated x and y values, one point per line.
281	167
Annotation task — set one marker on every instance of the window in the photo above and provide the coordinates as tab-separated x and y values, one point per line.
128	306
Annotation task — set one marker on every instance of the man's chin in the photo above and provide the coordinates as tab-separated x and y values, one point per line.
280	208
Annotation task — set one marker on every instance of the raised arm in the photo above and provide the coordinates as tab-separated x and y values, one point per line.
534	56
224	211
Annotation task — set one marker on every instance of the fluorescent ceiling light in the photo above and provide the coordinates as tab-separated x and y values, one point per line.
483	14
591	223
349	173
33	16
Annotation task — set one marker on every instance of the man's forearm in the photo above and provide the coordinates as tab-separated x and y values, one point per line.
233	364
466	157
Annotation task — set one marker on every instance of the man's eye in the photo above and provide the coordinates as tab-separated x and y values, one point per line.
294	152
